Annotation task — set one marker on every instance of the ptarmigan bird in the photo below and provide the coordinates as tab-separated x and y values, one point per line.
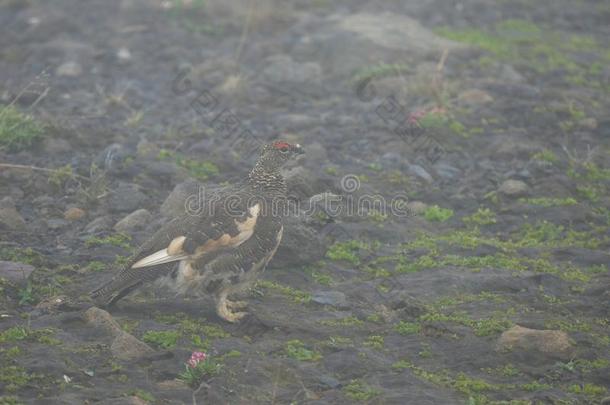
220	250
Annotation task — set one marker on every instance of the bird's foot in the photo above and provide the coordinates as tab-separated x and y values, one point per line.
225	310
236	304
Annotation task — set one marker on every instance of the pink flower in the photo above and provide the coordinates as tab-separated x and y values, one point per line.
196	358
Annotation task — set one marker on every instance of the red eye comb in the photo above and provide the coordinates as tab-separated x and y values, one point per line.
281	145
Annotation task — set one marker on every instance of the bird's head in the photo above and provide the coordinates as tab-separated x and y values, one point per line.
275	154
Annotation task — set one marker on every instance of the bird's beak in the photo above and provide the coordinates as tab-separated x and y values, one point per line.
298	149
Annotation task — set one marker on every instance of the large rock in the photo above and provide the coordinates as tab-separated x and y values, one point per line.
345	44
394	31
533	345
98	318
134	221
16	273
302	183
127	347
301	245
124	346
127	197
174	204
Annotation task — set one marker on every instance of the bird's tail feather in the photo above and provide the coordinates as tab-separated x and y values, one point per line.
112	291
126	281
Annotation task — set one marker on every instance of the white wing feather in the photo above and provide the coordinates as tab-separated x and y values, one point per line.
159	257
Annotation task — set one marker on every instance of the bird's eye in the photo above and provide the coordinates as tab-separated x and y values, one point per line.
284	149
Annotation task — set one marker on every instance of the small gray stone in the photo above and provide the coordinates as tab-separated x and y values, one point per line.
474	97
53	145
123	54
333	298
112	155
513	188
603	128
9	216
134	221
74	214
407	306
127	197
16	273
161	170
329	381
588	123
297	121
282	69
446	171
98	225
44	201
69	69
394	160
420	172
56	223
417	207
509	74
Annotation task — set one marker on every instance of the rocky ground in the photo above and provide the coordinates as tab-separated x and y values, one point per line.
489	119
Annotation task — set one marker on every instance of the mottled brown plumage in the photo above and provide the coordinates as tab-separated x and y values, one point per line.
222	248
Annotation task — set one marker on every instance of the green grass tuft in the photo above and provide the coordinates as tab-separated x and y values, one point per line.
165	339
483	216
375	341
119	240
407	328
144	395
348	251
18	131
545	155
435	213
359	391
296	349
549	201
14	378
